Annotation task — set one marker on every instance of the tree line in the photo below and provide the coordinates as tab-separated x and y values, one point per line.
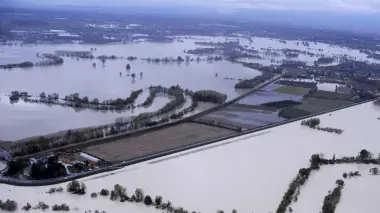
254	82
316	161
121	125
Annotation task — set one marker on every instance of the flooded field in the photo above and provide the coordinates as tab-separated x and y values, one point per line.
112	80
258	167
246	118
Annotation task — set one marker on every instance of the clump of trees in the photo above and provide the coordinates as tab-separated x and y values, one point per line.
8	205
16	95
27	207
210	96
53	190
312	122
104	192
75	187
374	171
351	174
62	207
41	205
254	82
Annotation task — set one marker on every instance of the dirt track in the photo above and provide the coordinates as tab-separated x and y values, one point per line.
153	142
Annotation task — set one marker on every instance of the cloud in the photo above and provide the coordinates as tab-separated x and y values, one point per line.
328	5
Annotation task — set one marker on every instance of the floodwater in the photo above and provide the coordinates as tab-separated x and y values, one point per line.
102	82
249	173
358	195
105	82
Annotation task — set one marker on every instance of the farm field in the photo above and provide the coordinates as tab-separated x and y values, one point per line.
263	97
292	90
244	117
329	95
157	141
314	105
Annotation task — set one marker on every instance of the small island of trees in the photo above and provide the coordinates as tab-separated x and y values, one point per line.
314	124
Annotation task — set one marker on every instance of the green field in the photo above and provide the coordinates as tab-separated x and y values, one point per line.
292	90
311	106
314	105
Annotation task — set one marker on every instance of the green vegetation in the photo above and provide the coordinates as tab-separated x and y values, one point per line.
148	119
311	106
62	207
210	96
8	205
292	90
312	122
152	95
329	95
76	188
301	84
20	65
332	199
316	161
254	82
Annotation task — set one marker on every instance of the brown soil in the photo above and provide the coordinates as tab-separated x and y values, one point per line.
157	141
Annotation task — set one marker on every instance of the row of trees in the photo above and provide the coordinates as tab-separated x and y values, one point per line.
75	100
43	206
333	198
254	82
18	65
38	144
314	122
363	157
119	193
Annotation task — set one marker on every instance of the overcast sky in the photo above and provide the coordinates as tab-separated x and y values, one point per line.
328	5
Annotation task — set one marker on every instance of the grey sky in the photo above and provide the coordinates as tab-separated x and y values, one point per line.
330	5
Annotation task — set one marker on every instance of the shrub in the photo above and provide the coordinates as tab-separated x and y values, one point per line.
374	171
104	192
41	205
312	122
93	195
139	194
148	200
340	182
27	207
62	207
345	175
158	200
9	205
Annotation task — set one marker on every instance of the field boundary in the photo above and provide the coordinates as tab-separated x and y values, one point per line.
18	182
